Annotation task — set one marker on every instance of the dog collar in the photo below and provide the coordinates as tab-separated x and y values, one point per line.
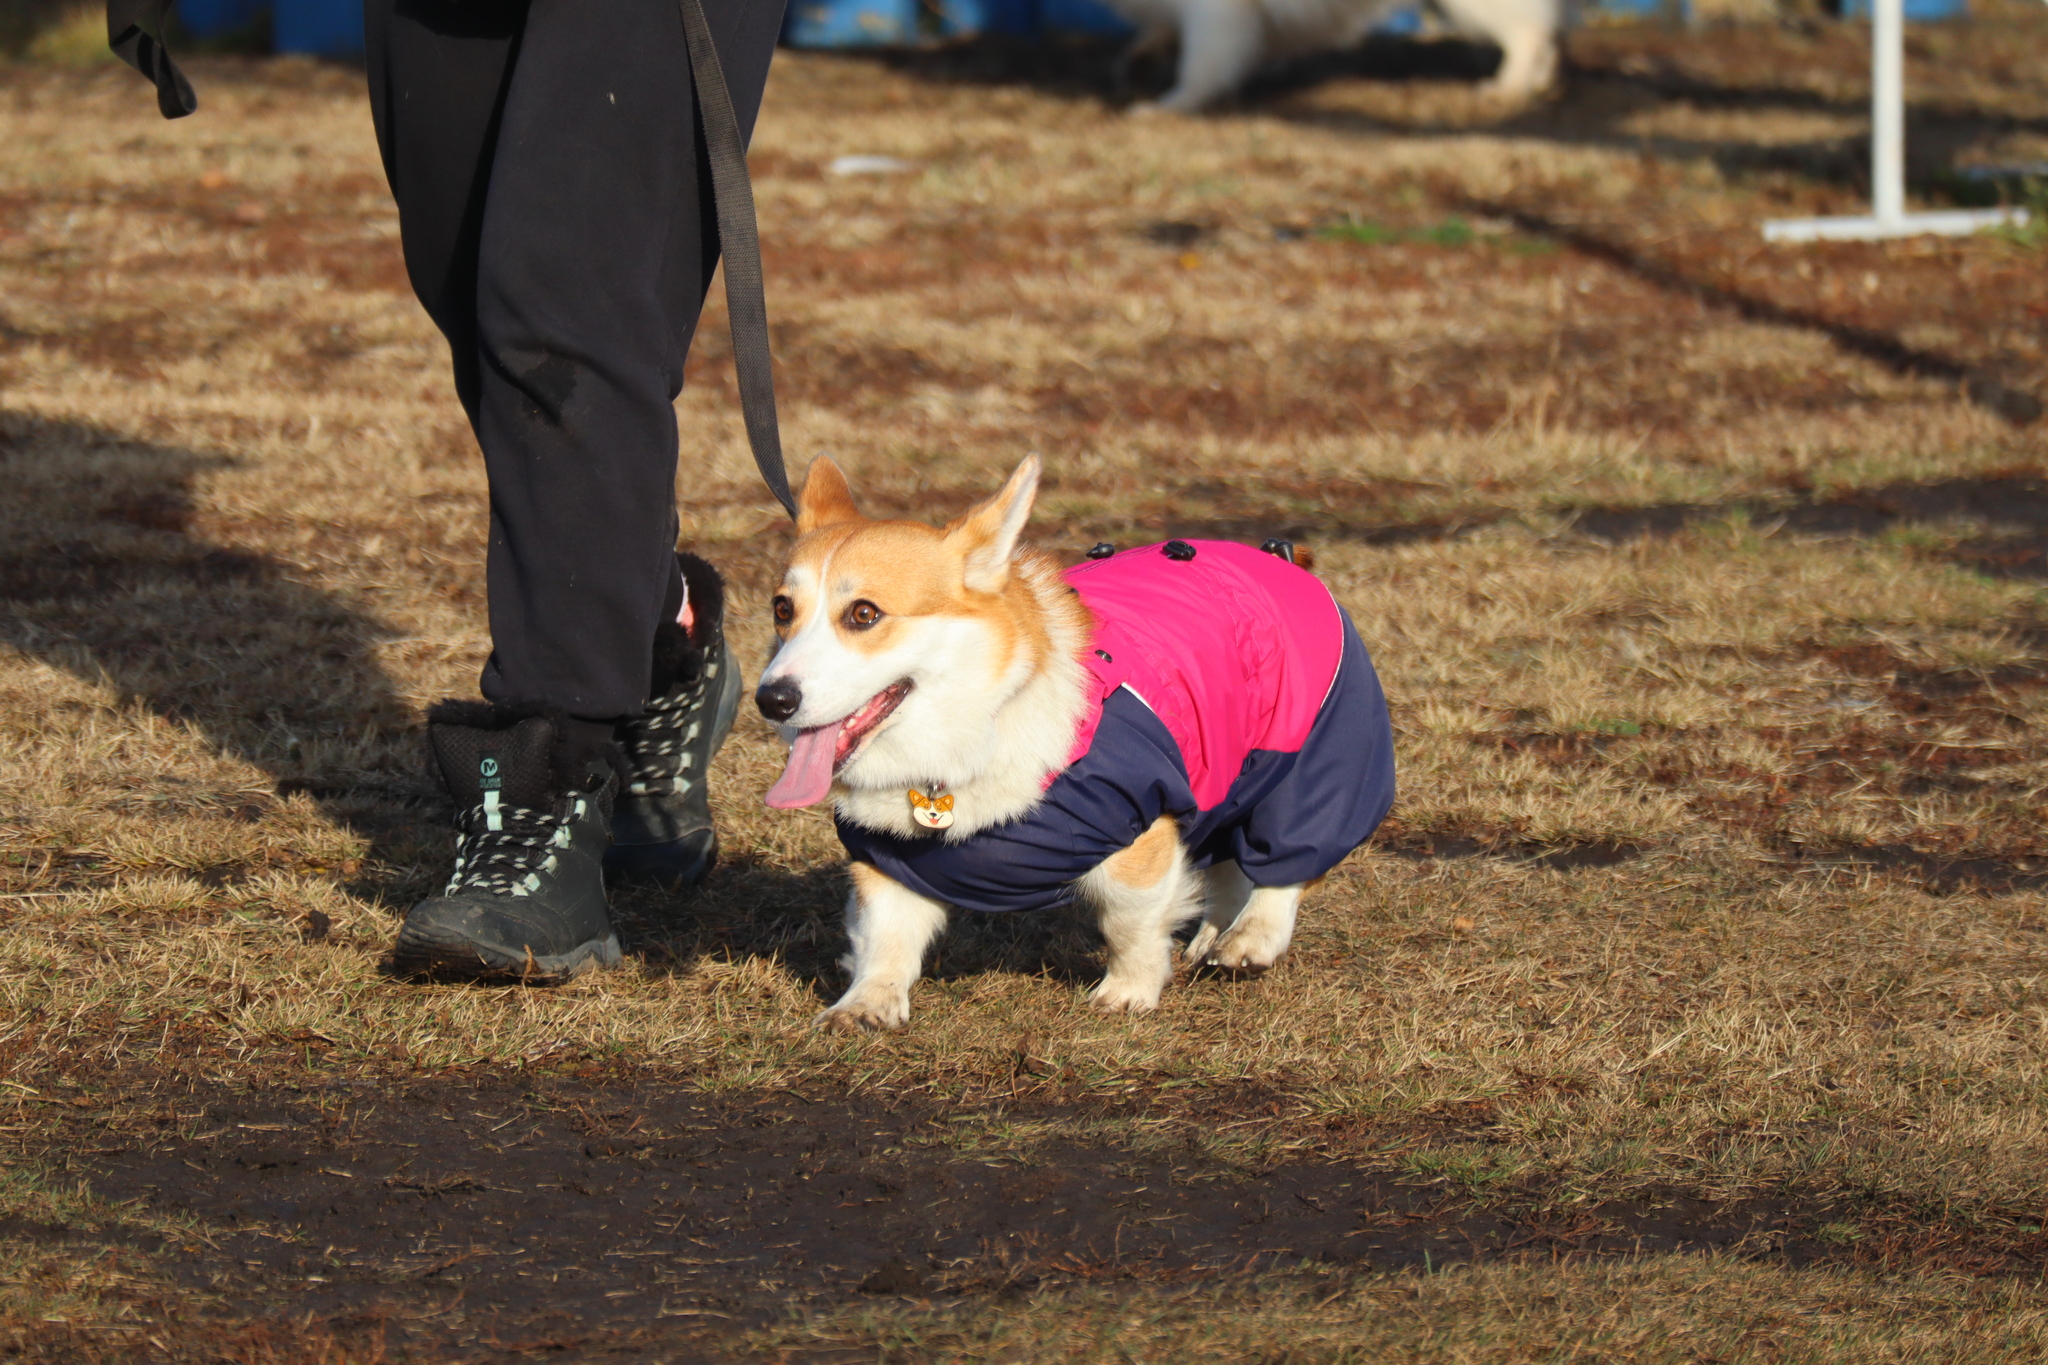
934	811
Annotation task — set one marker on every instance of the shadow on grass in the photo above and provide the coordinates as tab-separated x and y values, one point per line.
749	910
1593	108
102	574
2009	512
646	1207
1894	353
2005	517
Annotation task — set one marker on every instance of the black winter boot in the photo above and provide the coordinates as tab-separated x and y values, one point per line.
533	795
661	828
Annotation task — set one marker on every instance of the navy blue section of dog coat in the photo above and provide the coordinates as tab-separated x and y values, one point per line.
1288	817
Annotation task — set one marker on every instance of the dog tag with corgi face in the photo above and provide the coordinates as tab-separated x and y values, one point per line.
934	811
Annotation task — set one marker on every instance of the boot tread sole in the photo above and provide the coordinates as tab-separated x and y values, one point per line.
422	952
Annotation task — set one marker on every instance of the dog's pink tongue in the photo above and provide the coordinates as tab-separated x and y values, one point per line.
808	777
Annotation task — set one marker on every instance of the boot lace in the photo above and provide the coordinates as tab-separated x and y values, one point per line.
655	744
506	850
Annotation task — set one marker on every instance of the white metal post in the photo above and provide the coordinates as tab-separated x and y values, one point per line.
1888	157
1888	111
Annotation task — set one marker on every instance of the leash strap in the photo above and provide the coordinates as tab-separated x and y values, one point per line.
740	239
145	51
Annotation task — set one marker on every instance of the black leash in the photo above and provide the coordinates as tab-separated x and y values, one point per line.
739	237
745	304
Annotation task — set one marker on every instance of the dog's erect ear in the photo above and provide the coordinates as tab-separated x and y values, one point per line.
987	535
826	500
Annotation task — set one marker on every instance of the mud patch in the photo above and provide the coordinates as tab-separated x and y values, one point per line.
464	1214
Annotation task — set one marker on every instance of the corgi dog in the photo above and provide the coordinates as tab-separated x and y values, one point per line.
1223	41
1176	732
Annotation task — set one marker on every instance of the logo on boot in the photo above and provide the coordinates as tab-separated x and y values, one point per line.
491	784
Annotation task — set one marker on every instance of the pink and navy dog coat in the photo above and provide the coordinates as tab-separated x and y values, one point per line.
1229	691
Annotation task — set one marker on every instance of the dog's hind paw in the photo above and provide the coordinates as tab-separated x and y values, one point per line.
863	1016
1250	954
1260	937
1198	947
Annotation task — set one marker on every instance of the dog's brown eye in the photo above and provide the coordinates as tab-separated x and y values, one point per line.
785	610
863	614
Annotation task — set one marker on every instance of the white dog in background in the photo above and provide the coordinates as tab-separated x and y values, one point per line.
1223	41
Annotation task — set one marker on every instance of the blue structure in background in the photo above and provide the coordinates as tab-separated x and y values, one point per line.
1012	18
1089	18
851	23
877	23
1917	11
318	28
881	23
1646	9
215	18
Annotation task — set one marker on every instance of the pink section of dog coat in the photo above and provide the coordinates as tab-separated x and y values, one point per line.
1234	650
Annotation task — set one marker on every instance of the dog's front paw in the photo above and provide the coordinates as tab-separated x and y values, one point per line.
866	1013
1116	996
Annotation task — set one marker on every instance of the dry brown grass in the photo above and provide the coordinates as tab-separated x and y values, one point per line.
1717	867
1656	1313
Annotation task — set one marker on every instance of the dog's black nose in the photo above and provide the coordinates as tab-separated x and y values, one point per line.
778	700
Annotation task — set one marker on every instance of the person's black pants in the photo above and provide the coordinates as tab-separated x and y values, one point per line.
555	207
